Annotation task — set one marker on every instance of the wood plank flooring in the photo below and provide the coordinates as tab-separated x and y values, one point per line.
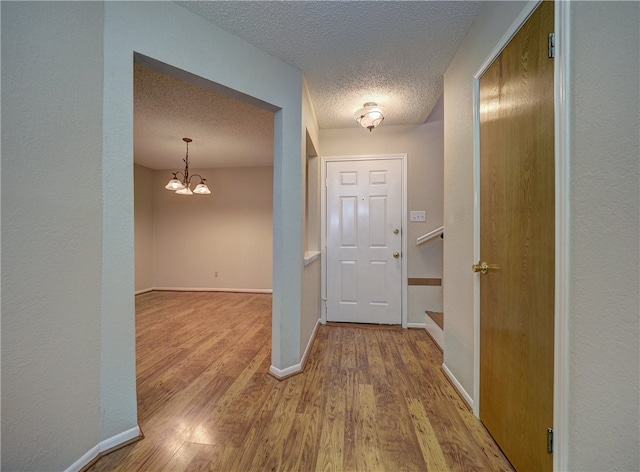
370	399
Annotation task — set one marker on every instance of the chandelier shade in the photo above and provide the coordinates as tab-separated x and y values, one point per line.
202	189
370	116
174	184
184	191
183	187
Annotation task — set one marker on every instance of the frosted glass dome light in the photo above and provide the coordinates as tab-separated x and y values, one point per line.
370	116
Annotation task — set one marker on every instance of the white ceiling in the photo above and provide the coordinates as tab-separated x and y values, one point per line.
226	132
390	52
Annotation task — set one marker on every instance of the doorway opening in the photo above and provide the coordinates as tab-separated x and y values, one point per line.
221	242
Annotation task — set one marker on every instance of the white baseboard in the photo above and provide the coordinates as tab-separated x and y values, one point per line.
297	368
121	438
103	446
85	459
144	290
457	385
415	325
283	373
201	289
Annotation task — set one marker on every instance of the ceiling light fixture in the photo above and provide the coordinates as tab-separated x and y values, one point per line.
370	116
183	187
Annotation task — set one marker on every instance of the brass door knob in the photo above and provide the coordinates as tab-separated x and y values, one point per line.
396	231
483	267
396	254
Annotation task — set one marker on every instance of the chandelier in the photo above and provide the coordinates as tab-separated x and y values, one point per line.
370	116
183	187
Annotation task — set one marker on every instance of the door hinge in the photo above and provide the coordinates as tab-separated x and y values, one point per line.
552	45
549	441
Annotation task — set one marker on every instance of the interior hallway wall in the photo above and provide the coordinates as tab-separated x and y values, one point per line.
492	22
603	352
171	35
310	309
68	329
604	324
52	82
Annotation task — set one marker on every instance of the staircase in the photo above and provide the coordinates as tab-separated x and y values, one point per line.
437	317
434	324
434	320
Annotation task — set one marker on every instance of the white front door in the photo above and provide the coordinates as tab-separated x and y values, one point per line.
364	241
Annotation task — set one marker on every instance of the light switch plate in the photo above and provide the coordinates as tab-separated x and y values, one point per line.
420	216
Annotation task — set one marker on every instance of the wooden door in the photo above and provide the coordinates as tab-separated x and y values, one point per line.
517	235
364	241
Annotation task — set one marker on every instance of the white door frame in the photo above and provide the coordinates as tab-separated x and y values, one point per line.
562	155
323	226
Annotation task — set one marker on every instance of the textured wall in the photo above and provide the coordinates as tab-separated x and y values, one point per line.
143	226
51	232
170	34
424	148
489	26
605	208
310	307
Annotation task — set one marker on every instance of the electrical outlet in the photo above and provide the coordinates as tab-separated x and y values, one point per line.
418	216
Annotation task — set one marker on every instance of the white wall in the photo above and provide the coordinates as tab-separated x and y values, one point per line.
170	34
603	377
310	310
51	232
229	232
68	362
491	23
143	229
423	145
604	327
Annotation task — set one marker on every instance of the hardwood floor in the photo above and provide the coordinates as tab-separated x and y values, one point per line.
370	399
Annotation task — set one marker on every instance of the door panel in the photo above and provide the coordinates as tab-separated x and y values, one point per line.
349	279
364	207
378	222
348	221
517	234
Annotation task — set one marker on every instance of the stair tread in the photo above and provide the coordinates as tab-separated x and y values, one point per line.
437	317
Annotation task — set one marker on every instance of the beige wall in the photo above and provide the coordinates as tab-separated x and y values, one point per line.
458	298
68	277
604	324
174	36
229	232
143	226
603	352
310	304
52	82
423	145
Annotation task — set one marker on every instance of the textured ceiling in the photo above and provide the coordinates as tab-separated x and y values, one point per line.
226	132
351	52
